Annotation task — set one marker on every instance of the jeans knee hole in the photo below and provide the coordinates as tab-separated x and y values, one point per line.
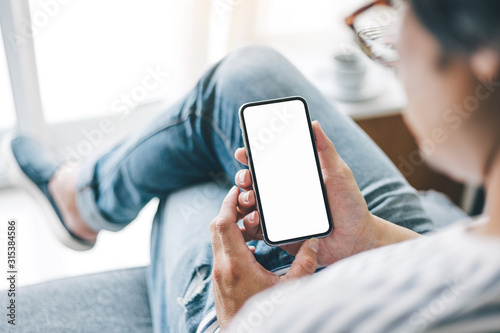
201	277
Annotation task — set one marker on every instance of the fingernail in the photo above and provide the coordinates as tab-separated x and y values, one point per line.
314	244
233	189
241	176
252	216
246	196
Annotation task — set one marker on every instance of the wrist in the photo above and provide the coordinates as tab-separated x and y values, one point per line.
379	232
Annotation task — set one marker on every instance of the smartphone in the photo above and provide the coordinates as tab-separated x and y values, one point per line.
284	164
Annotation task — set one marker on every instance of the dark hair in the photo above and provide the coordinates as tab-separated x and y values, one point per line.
461	26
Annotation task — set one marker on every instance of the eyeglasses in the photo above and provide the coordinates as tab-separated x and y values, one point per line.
375	26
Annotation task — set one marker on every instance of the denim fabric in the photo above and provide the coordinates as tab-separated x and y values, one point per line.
193	142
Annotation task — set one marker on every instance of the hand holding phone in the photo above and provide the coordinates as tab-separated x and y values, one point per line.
288	185
354	224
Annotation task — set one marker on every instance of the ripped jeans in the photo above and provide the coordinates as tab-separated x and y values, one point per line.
194	142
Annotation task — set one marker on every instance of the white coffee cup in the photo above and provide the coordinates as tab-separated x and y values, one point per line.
349	70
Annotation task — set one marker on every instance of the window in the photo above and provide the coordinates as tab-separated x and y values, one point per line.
95	57
92	56
315	26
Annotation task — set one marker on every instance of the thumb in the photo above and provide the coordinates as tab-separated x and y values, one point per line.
329	158
306	260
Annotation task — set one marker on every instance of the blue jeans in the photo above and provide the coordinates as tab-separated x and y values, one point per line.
194	142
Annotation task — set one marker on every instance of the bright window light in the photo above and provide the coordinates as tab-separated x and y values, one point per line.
99	57
285	17
7	111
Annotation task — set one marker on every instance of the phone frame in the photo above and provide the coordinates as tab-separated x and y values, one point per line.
255	184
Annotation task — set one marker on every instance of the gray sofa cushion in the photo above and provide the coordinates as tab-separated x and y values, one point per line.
115	301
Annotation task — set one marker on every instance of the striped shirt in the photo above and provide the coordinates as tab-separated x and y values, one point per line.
446	282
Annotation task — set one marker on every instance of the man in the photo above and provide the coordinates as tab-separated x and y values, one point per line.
388	289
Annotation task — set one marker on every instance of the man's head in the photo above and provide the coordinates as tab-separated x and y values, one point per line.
449	61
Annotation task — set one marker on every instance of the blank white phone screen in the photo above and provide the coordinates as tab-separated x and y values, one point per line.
285	169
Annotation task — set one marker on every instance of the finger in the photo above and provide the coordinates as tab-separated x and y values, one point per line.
227	238
329	158
252	225
246	202
306	260
252	248
247	236
241	156
227	213
243	179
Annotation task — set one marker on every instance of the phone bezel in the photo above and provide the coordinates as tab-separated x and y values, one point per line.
254	178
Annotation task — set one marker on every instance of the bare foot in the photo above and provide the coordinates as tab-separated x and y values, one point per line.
62	188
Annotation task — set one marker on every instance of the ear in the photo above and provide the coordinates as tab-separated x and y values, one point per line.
485	64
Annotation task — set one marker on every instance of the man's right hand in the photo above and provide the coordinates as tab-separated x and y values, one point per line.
355	228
